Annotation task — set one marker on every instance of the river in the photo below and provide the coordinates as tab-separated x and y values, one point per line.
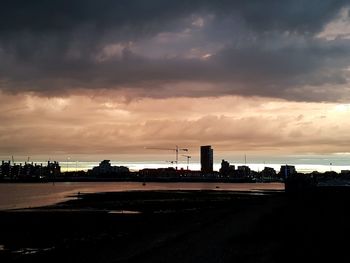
15	196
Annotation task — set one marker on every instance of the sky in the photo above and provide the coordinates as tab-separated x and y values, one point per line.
91	80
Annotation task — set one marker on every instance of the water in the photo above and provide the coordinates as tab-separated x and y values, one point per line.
14	196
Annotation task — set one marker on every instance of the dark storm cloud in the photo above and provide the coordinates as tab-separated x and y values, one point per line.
62	15
53	47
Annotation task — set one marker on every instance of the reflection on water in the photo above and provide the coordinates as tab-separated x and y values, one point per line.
14	196
31	251
126	212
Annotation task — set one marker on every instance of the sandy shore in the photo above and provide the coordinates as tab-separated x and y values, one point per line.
181	226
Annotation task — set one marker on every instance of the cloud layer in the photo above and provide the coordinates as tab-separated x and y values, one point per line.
295	50
100	126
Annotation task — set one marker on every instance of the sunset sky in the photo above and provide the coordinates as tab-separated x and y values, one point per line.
93	80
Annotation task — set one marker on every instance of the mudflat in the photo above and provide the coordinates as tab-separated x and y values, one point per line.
182	226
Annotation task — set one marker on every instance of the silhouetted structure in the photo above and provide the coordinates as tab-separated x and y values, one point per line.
169	172
206	159
107	170
29	171
243	171
53	169
268	172
5	169
287	170
227	169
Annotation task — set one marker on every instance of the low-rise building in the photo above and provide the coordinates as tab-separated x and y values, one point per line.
106	169
287	170
268	172
226	169
243	171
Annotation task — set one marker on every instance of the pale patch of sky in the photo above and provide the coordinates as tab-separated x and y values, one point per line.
338	28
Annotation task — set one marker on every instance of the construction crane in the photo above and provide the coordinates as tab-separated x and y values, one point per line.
188	160
176	150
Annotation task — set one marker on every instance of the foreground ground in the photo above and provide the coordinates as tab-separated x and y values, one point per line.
182	226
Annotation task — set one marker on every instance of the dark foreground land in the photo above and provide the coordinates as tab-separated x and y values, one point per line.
182	226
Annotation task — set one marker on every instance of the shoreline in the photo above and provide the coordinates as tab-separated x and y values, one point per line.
56	232
34	195
181	226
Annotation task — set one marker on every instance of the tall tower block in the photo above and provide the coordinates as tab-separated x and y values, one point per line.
206	159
